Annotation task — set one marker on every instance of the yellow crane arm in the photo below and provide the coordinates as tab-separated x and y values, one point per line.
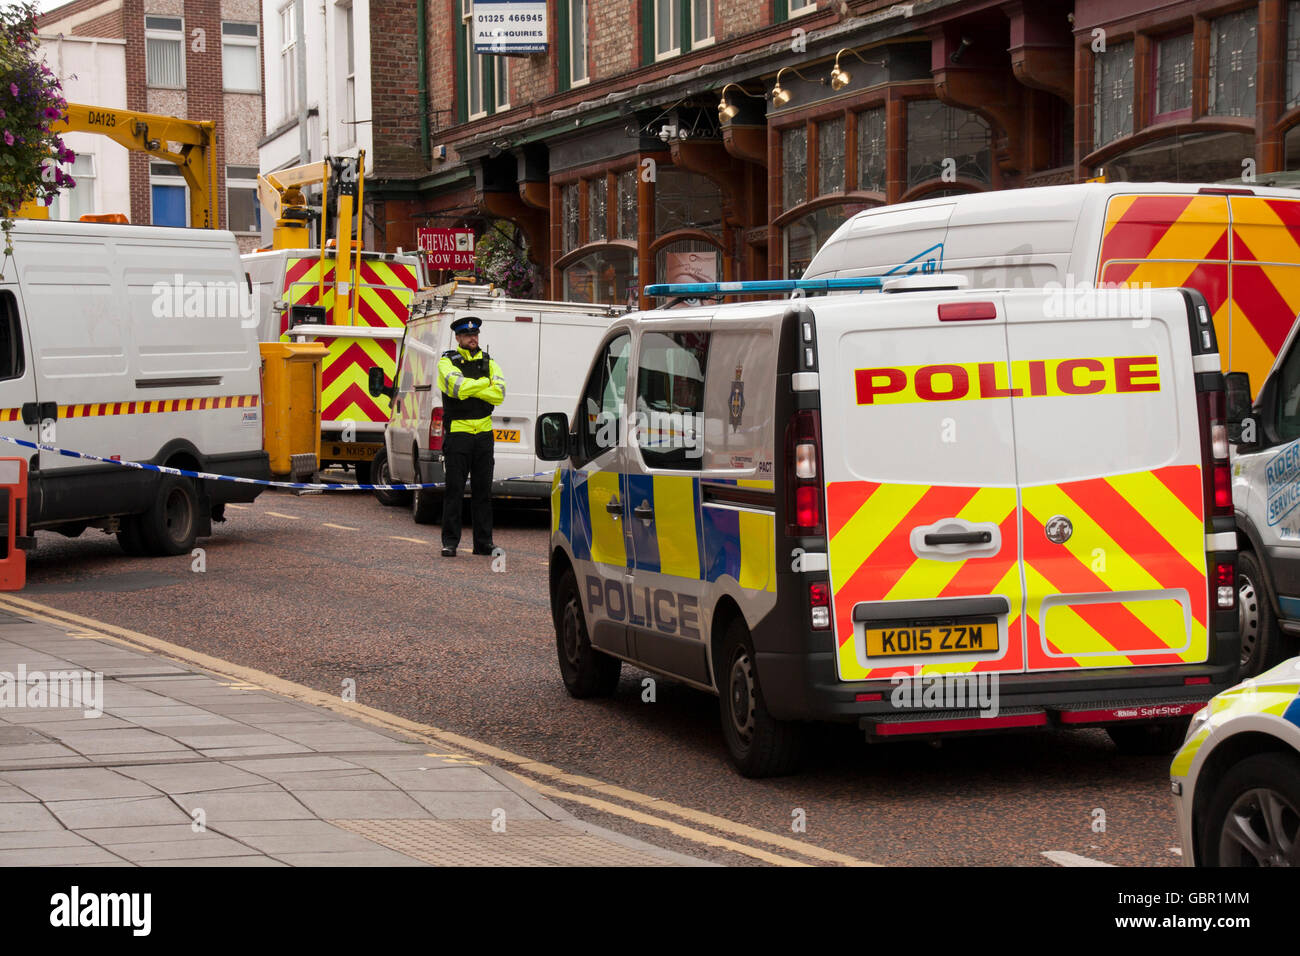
196	156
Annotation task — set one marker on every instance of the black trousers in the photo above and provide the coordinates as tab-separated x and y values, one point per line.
465	454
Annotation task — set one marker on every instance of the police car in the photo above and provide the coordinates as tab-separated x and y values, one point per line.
918	508
1236	780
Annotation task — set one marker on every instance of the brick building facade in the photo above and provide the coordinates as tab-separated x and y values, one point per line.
611	153
196	59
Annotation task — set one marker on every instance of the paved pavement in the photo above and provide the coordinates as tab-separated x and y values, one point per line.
113	756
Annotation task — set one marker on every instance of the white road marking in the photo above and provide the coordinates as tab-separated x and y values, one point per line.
1065	858
238	507
1176	850
276	514
341	527
395	537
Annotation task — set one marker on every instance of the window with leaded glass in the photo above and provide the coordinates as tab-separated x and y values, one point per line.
607	275
871	150
946	143
830	156
1112	94
569	216
1233	56
807	234
1173	78
794	167
597	224
688	260
627	205
686	200
1292	54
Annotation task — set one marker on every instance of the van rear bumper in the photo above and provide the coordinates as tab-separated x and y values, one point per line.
433	469
806	687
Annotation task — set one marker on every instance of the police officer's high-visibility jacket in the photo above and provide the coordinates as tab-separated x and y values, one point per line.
471	385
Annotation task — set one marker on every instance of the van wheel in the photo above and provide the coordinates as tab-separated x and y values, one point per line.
1254	817
1149	740
1260	642
171	524
380	472
586	671
759	744
426	504
130	537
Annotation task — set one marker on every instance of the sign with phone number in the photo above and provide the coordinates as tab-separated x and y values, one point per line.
506	27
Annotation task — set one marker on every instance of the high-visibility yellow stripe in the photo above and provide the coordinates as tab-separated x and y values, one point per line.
1184	530
869	526
556	498
757	561
607	544
1259	227
927	577
675	526
1196	230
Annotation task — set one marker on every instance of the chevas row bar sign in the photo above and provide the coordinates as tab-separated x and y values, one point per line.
447	248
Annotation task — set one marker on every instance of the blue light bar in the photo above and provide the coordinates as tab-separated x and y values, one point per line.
762	285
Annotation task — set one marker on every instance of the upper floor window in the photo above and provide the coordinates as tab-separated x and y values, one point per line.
577	39
485	81
288	62
946	143
1173	78
243	211
794	166
350	78
668	28
241	64
1293	54
701	22
686	200
871	150
1233	56
1112	94
830	156
680	25
785	9
164	51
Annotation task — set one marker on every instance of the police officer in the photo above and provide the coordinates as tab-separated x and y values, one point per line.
471	384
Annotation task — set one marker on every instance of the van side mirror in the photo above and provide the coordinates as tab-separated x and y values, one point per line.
1242	427
551	438
378	386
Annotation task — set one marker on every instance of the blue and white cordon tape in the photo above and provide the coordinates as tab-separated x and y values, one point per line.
185	473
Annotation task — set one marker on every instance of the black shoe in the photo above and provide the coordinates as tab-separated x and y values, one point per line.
491	549
449	552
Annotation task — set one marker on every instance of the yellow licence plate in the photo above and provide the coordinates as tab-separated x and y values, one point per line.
968	637
506	434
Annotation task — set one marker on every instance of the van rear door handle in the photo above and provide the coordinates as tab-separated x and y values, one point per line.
614	507
644	512
959	537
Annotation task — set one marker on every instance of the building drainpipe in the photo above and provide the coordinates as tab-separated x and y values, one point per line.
421	38
300	27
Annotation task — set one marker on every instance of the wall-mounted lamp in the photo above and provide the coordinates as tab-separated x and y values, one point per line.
780	95
840	78
960	51
727	110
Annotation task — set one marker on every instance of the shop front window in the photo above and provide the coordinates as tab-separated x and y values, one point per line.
627	205
1112	94
596	222
946	143
830	156
1292	54
805	235
606	276
1233	55
1173	92
871	150
794	167
569	212
686	200
688	260
1187	158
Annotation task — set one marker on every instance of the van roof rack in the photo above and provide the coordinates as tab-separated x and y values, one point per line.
692	289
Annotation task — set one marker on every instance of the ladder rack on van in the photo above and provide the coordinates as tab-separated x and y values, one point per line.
757	286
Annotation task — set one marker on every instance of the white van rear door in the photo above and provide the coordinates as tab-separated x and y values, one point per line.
17	377
921	485
1109	457
511	338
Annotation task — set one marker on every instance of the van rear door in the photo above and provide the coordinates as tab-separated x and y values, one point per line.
920	476
1108	450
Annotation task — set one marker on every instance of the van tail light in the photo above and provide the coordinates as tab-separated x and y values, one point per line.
1225	584
819	601
803	468
1217	475
435	430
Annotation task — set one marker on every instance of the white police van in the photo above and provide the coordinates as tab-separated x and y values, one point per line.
926	510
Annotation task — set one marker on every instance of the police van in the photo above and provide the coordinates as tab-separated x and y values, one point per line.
923	509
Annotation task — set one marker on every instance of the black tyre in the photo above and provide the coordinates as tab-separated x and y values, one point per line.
426	503
1254	814
171	524
586	671
130	537
1149	740
1261	642
380	472
759	744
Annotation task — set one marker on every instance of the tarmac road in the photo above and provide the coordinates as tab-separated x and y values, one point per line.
323	589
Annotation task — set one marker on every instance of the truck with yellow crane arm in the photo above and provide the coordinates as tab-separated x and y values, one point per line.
355	302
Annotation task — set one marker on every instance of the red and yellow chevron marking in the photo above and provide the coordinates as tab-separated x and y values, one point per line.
1265	280
1142	534
345	392
385	292
1241	252
871	559
102	409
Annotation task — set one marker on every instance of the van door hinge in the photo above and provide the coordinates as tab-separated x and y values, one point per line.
36	412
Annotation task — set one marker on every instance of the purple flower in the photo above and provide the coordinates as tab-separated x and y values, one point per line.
9	138
13	88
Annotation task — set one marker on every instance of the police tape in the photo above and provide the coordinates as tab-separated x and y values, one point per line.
296	485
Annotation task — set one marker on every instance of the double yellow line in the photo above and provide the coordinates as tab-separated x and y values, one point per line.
699	827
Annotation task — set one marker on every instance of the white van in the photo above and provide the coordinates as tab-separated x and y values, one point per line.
543	349
1237	246
130	343
927	512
